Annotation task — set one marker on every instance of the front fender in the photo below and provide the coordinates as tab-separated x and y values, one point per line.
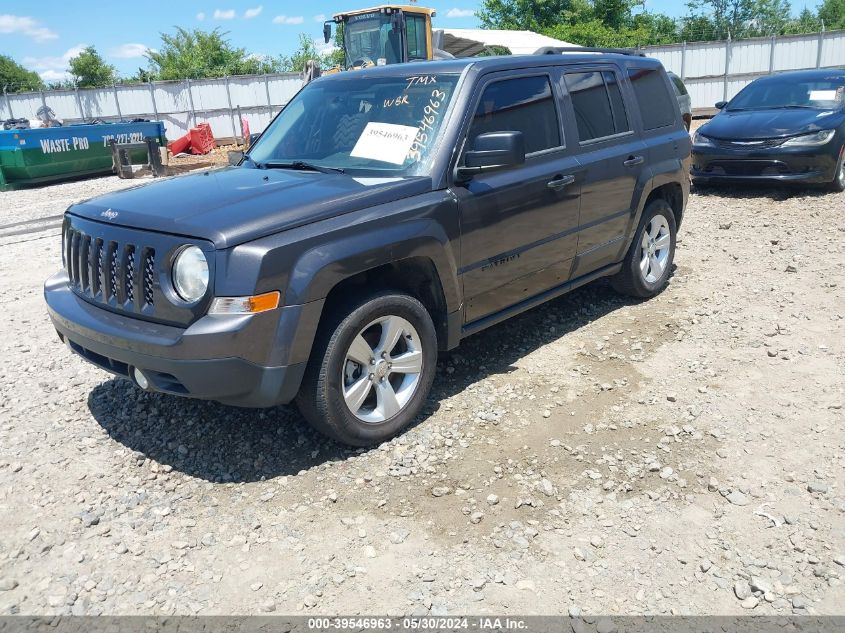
321	268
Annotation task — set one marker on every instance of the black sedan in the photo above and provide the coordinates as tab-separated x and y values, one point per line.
785	128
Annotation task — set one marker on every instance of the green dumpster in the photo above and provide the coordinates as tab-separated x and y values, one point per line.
40	155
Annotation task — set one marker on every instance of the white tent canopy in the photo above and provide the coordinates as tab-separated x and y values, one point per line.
470	42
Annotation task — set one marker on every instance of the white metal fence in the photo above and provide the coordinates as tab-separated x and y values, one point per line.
180	104
712	71
716	71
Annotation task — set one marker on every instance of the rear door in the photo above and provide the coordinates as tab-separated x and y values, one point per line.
518	225
612	156
663	131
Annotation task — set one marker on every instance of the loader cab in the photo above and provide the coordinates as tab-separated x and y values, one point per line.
389	34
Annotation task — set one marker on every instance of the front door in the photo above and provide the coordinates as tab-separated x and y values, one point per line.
518	225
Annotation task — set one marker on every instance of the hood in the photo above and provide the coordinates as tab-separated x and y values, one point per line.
233	205
774	123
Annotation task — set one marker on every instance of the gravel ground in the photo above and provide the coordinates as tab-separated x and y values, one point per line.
596	455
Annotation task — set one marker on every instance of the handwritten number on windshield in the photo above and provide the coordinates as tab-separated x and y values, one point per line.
430	114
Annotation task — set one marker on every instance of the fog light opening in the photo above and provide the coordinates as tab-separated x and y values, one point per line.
140	379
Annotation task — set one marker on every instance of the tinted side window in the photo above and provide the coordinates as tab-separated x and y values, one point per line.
591	102
656	107
620	117
416	36
521	105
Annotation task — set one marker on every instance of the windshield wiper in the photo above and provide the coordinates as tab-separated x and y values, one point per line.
300	165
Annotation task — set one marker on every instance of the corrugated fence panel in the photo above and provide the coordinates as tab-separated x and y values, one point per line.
672	58
24	106
705	60
795	53
247	91
210	94
750	56
705	92
833	49
63	103
98	104
136	101
703	63
171	96
284	87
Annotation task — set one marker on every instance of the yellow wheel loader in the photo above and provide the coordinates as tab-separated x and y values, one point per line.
387	34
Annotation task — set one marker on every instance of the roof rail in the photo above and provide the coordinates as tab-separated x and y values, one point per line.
554	50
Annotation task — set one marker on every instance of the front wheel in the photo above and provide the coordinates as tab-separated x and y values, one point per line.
648	264
371	370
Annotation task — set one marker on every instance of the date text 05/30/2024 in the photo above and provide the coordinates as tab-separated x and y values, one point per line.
425	623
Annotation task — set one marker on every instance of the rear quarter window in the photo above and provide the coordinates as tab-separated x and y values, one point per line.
656	104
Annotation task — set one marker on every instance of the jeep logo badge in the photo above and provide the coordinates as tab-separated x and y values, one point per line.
109	214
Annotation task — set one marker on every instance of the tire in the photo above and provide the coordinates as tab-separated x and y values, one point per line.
656	225
334	383
838	183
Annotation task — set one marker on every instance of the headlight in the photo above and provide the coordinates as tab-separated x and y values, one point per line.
810	140
190	274
701	140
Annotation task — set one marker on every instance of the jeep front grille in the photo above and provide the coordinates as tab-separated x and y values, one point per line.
149	270
109	272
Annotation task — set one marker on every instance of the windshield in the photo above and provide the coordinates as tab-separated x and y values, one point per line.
823	94
370	37
360	124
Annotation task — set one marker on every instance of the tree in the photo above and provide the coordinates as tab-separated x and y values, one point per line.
202	55
806	22
614	22
612	13
741	18
16	78
770	17
531	15
832	12
307	50
89	70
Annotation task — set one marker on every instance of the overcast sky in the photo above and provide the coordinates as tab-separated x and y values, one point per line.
44	35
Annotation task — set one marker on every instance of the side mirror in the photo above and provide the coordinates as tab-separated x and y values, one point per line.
720	105
327	32
235	158
493	150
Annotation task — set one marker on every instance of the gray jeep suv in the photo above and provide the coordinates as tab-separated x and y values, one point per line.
383	216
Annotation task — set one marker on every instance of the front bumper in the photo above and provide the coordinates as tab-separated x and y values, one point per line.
213	359
816	165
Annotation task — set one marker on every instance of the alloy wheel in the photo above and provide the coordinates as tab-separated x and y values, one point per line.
382	369
654	249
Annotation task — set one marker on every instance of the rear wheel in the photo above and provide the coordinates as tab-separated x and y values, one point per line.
371	370
648	264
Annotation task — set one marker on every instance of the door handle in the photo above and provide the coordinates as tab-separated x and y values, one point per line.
634	160
561	182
